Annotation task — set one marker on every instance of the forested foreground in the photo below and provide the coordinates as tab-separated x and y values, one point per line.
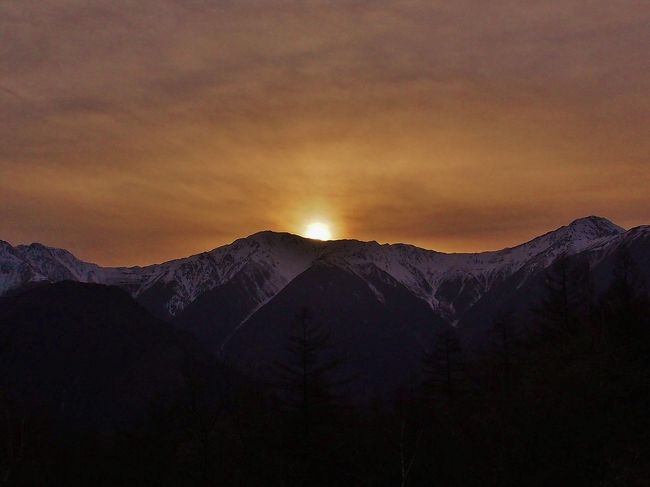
560	396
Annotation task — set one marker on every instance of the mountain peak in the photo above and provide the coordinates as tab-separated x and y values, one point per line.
595	226
273	234
270	237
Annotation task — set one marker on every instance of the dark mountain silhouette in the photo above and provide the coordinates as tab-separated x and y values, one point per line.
379	340
89	355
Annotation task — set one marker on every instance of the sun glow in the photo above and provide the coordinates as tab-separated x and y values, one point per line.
318	231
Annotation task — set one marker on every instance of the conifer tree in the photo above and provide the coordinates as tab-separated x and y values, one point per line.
442	365
307	379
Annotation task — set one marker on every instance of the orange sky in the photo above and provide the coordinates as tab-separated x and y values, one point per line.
134	131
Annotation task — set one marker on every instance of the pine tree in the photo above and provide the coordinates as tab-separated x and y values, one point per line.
568	297
625	307
307	379
442	365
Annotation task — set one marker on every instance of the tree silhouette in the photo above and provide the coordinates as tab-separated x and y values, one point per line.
568	296
307	379
625	307
442	365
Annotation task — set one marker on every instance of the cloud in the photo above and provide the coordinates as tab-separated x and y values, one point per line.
172	124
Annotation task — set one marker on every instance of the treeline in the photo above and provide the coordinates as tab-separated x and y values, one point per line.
561	396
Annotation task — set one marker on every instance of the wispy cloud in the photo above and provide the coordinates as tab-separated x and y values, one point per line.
172	126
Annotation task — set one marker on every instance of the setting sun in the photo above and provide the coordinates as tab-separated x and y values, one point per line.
318	231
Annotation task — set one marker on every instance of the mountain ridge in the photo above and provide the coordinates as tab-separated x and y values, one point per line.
4	244
448	282
239	299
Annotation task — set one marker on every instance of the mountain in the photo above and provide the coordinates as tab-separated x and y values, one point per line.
383	300
519	295
87	355
268	261
377	328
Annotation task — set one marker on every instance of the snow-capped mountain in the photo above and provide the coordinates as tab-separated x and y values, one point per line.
449	283
239	299
186	278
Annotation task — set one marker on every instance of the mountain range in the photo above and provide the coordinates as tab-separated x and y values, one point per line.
382	302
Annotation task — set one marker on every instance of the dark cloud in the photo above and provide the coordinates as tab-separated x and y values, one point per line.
171	126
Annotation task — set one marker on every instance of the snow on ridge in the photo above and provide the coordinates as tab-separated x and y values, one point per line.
283	256
423	271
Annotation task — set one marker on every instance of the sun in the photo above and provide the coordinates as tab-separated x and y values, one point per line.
318	231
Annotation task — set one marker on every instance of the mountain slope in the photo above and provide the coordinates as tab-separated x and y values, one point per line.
379	341
266	262
87	355
383	303
519	295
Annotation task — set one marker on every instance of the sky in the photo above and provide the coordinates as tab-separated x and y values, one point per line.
137	131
